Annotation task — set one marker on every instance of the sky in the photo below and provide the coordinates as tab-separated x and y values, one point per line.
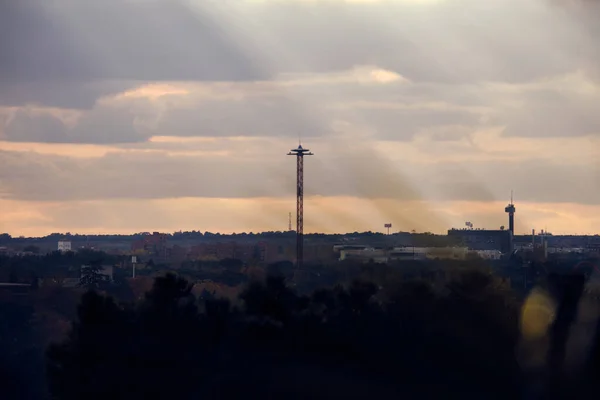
122	116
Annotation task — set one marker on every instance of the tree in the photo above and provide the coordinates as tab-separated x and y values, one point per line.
34	282
153	350
459	338
206	295
231	264
21	362
272	300
89	363
91	276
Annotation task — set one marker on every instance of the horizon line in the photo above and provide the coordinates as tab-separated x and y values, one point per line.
252	233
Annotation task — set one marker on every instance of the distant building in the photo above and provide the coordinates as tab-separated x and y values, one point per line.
338	248
380	255
422	253
407	253
64	245
489	254
155	244
363	254
319	253
481	239
263	251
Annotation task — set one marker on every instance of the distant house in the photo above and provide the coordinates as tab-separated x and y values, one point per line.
64	245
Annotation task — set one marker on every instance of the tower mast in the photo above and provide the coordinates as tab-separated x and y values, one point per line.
299	153
510	210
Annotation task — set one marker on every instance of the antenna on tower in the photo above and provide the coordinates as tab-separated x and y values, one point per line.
511	196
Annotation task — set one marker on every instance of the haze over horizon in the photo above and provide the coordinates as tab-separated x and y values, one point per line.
123	116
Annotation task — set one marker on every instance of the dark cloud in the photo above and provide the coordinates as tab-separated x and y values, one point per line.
453	41
100	126
253	116
557	122
71	40
584	14
259	111
534	180
25	127
561	112
405	124
400	112
63	94
146	176
334	171
122	40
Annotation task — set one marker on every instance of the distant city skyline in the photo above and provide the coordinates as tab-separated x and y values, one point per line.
423	114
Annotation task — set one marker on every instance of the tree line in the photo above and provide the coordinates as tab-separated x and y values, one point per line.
406	330
410	339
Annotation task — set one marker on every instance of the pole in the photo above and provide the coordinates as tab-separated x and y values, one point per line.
133	262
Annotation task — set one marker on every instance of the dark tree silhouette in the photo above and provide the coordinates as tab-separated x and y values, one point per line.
91	276
34	282
20	363
406	338
89	363
114	351
13	277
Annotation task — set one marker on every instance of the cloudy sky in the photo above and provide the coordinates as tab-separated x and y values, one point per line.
140	115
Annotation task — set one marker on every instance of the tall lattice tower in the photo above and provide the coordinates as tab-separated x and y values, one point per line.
299	153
